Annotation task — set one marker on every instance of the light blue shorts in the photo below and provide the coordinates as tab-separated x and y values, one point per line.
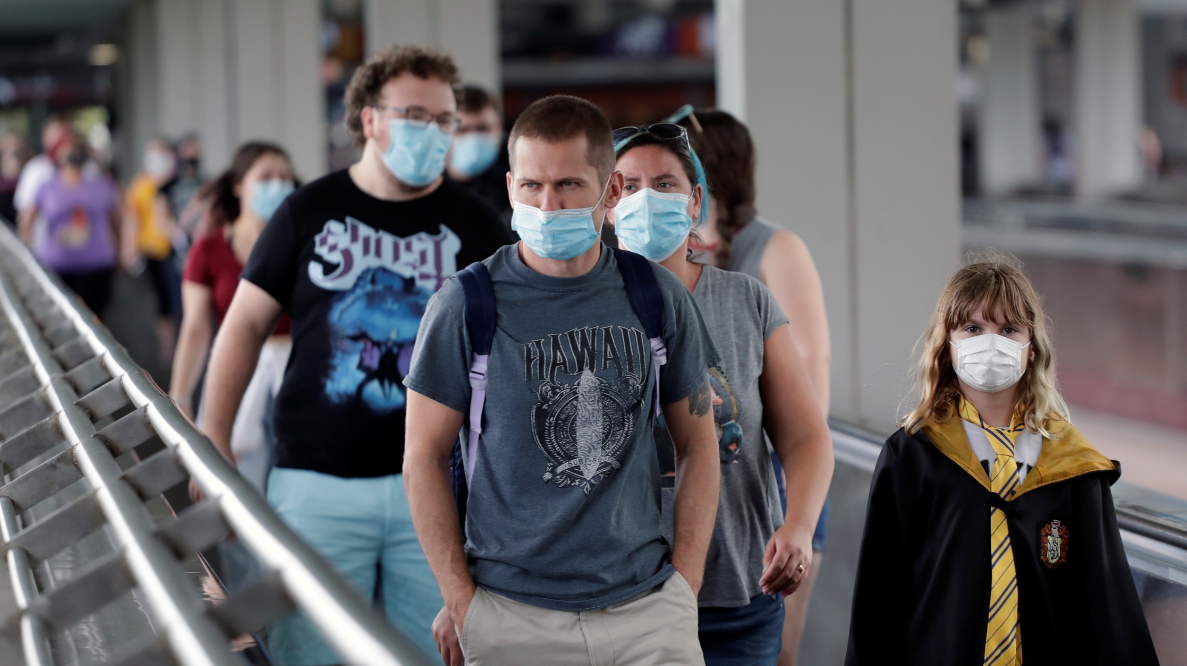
363	527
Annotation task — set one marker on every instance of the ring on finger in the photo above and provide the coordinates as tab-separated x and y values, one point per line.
800	569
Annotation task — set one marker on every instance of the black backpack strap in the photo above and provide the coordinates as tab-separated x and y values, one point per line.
647	300
642	289
480	306
480	325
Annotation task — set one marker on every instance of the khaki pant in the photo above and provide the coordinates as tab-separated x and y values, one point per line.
654	628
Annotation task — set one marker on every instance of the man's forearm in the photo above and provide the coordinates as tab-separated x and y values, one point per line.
698	479
435	517
232	363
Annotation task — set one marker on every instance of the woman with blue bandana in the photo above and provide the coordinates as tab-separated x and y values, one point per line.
242	200
759	553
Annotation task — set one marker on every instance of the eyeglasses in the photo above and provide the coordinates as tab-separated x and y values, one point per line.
417	116
659	130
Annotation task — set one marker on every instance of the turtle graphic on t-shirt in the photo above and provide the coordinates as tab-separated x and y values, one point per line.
590	394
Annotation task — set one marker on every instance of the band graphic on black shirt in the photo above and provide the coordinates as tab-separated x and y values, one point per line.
386	282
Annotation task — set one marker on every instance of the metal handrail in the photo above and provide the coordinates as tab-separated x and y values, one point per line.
349	624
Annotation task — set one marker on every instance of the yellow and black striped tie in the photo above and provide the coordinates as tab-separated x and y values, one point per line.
1003	639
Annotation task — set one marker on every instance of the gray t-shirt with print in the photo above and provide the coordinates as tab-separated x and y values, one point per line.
564	505
740	314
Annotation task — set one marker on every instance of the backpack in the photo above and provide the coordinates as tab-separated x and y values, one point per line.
647	302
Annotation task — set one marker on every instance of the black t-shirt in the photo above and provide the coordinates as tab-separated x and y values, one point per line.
491	187
355	273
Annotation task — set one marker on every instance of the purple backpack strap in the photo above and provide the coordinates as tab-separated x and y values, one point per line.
480	325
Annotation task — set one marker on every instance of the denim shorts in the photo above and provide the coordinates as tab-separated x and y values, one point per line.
751	635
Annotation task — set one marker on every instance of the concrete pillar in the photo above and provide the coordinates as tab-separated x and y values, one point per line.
1009	144
782	69
215	125
192	58
467	29
137	86
851	105
1107	97
277	94
229	70
301	95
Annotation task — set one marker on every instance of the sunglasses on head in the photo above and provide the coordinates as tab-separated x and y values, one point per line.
658	130
683	112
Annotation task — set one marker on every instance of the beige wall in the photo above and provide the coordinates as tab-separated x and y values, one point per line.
852	105
232	71
468	29
1008	142
1108	97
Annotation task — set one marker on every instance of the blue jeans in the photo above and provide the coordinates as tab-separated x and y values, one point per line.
363	527
748	636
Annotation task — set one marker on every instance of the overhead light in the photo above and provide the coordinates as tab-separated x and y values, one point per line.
104	54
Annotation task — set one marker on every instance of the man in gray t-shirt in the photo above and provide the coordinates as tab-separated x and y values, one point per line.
563	558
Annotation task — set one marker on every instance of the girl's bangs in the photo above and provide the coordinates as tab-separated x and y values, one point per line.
988	296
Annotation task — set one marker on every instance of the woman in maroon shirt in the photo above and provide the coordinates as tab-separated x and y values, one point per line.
242	200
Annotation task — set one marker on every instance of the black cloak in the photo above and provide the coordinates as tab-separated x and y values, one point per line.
922	591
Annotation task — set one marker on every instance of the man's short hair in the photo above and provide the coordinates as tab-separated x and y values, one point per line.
369	79
476	100
563	117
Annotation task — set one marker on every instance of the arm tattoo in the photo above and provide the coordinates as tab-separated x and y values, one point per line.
701	400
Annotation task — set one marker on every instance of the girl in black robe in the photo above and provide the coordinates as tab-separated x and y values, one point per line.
925	575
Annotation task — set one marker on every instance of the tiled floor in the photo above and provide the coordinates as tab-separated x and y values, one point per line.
1151	456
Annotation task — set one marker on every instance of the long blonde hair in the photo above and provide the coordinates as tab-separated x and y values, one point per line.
989	283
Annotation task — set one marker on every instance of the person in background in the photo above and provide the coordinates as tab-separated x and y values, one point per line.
12	159
40	169
243	199
990	530
354	257
478	158
82	218
182	190
761	552
736	239
149	229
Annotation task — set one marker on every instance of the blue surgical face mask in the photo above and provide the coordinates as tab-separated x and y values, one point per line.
556	234
416	155
474	153
651	223
267	195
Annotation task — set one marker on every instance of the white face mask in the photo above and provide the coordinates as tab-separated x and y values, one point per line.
989	362
158	163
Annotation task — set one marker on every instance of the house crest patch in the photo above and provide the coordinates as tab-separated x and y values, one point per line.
1053	544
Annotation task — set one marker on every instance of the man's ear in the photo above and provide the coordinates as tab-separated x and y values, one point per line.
614	189
367	116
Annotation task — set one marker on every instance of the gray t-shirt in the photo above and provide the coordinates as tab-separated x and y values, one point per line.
740	314
564	505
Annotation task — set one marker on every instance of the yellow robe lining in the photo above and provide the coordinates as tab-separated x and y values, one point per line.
1069	456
